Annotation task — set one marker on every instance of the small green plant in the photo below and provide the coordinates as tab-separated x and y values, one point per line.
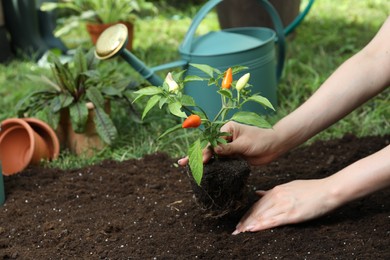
234	94
75	85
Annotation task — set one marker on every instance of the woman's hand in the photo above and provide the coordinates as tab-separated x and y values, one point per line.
256	145
290	203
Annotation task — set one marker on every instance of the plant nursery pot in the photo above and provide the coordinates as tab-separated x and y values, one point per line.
86	143
21	145
95	30
223	188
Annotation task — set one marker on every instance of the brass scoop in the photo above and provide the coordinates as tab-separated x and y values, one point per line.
113	41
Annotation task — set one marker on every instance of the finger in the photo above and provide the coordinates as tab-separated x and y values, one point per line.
261	193
225	149
228	127
183	161
263	222
207	154
249	220
274	221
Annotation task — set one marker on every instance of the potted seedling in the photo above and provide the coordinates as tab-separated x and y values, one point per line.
100	14
220	185
77	102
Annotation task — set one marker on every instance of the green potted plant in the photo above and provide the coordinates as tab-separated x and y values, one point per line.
219	186
101	14
76	102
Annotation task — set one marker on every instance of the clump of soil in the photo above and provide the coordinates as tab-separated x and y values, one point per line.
223	188
144	209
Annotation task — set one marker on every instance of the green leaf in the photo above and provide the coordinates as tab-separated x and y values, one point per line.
261	100
221	141
104	126
212	82
170	130
63	75
79	116
213	143
178	75
175	109
205	68
91	74
150	104
190	78
61	101
187	101
111	91
95	96
250	118
196	161
147	91
237	69
48	6
49	117
45	80
80	62
91	59
162	102
225	92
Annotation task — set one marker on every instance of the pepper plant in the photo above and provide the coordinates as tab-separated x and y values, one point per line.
234	94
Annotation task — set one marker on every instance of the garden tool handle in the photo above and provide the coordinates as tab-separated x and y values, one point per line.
279	33
290	28
188	38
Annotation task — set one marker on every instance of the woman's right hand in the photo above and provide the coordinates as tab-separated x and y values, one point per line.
256	145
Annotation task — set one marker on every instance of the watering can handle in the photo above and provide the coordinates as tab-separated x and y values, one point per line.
188	38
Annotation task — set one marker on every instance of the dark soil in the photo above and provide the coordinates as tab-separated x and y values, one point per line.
144	209
223	189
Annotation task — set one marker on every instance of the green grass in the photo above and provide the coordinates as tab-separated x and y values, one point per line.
331	33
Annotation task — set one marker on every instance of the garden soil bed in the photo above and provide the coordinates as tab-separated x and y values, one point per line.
144	209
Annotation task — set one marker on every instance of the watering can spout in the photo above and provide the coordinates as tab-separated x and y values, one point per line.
112	42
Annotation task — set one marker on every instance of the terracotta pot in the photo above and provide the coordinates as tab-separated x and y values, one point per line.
2	190
48	134
22	144
95	30
86	143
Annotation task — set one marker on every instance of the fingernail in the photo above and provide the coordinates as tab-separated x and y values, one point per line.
218	149
236	232
180	161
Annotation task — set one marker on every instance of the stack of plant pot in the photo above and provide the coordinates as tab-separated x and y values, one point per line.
26	141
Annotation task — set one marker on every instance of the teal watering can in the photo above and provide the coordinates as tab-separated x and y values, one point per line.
253	47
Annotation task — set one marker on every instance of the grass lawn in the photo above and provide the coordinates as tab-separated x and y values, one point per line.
332	32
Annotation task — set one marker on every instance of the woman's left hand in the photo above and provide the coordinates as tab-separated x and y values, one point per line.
290	203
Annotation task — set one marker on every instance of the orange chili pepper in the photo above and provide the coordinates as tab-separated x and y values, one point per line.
227	79
193	121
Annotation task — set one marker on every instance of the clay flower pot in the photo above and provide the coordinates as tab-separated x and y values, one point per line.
87	143
2	190
26	141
